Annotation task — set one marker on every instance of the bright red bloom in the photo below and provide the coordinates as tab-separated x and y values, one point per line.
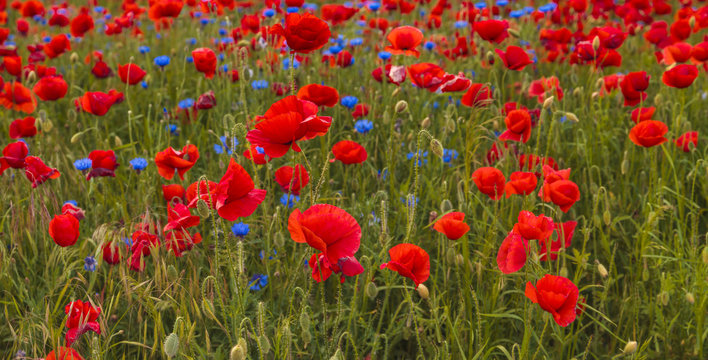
236	195
490	181
515	58
257	155
58	45
494	31
452	225
164	9
545	87
303	33
679	52
333	232
680	76
287	121
73	210
64	230
37	172
518	126
130	73
177	237
649	133
101	70
360	110
65	353
98	103
321	95
521	183
337	14
563	193
454	83
103	163
111	253
31	8
82	317
172	191
14	155
478	95
409	261
551	175
205	190
427	76
699	52
50	88
349	152
564	235
170	161
82	23
206	101
205	61
21	128
180	241
684	141
512	253
17	97
394	74
633	86
404	41
642	114
291	179
533	227
143	243
557	295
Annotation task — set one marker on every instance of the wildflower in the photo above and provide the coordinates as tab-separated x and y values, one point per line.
90	263
289	201
236	195
225	145
82	164
363	126
410	261
422	157
258	282
452	225
240	229
138	164
162	61
556	295
81	318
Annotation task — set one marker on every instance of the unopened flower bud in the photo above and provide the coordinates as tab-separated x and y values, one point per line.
548	102
630	348
202	208
401	106
596	43
423	291
513	32
371	290
76	137
446	205
437	148
425	123
74	58
171	346
690	298
602	270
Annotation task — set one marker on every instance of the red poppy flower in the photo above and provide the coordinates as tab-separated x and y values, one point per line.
291	179
564	235
205	190
206	101
64	230
344	59
494	31
322	269
161	9
409	261
521	183
31	8
17	97
533	227
103	163
394	74
101	70
360	110
180	241
404	41
684	141
427	76
110	252
205	61
50	88
37	172
490	181
563	193
22	26
679	52
680	76
512	253
287	121
170	160
478	95
303	33
349	152
179	218
82	23
514	58
633	86
330	230
321	95
73	210
130	73
556	295
699	52
172	192
518	126
551	175
14	155
65	353
98	103
454	83
642	114
648	133
452	225
143	243
81	317
545	87
236	195
337	14
58	45
21	128
257	155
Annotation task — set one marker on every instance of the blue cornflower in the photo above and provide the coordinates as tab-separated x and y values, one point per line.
480	5
502	2
260	150
363	126
374	6
516	14
128	241
410	202
293	9
225	145
422	158
186	103
72	202
460	24
259	84
82	164
429	45
172	128
356	41
350	101
289	202
384	55
240	229
261	254
90	263
258	281
383	174
189	59
144	49
286	64
98	9
449	155
529	9
269	13
20	354
138	164
162	60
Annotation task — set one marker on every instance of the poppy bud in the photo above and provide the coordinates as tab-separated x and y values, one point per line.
118	141
663	298
658	100
172	273
564	271
208	308
304	320
596	43
76	137
690	298
202	208
571	117
625	164
595	95
607	218
395	92
237	353
401	106
513	32
601	269
31	77
490	57
450	124
46	125
548	102
630	348
450	255
371	290
264	344
306	337
337	355
432	216
578	91
74	58
445	206
459	259
423	291
437	148
692	22
705	255
425	123
71	115
279	240
171	345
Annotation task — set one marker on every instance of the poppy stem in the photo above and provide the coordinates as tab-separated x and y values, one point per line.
292	73
415	323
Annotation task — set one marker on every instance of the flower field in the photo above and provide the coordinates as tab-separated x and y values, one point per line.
392	179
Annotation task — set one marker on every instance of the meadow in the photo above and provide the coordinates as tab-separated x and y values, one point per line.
394	179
